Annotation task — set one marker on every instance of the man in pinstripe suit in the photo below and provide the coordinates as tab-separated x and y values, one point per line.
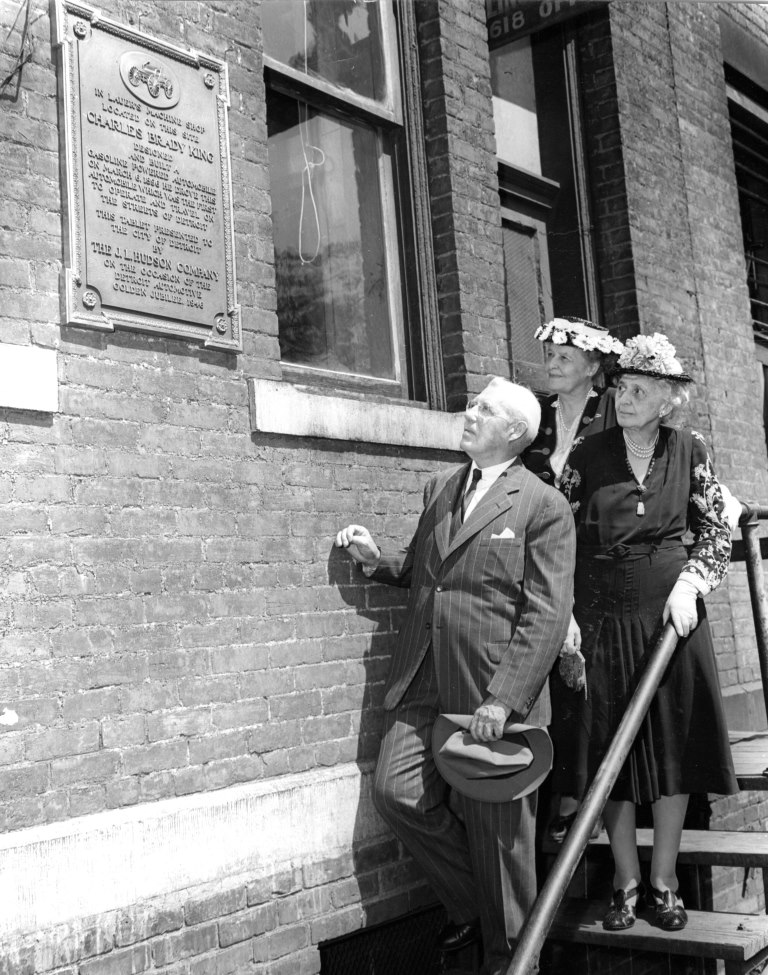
490	572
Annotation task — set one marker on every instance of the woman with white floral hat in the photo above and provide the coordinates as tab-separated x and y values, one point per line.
576	354
635	490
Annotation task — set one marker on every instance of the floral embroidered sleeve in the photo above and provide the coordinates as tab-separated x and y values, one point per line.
571	480
711	552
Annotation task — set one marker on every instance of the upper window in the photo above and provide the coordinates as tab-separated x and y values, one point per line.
546	225
748	107
748	110
336	139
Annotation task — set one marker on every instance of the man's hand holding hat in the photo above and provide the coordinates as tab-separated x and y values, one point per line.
489	720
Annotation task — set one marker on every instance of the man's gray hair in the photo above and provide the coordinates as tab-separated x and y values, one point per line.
521	404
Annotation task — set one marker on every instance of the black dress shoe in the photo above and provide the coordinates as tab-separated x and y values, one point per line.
670	913
455	936
623	910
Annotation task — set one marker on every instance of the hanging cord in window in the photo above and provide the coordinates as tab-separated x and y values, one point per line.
26	48
307	187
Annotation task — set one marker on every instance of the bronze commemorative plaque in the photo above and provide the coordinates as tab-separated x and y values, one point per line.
149	192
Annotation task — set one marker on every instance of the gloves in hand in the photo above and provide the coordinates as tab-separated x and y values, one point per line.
681	608
571	665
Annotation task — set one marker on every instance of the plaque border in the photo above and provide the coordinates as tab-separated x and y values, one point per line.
80	305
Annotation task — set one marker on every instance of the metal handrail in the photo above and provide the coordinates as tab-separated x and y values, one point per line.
751	515
539	921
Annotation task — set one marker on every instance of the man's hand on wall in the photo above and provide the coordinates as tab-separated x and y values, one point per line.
358	542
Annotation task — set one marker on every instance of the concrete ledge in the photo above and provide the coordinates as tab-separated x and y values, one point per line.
62	872
28	378
301	412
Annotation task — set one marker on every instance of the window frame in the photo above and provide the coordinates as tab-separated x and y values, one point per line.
758	112
411	287
527	198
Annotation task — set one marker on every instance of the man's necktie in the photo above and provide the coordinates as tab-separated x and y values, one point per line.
470	492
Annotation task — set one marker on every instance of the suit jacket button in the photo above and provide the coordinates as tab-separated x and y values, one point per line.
438	588
428	626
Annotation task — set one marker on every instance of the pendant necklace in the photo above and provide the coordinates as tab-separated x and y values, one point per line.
642	453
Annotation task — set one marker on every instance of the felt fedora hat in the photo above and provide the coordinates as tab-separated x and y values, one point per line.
491	771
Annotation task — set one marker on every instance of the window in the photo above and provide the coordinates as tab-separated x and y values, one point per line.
748	110
548	251
749	131
348	312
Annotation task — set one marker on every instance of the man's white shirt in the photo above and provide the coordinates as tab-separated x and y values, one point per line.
488	477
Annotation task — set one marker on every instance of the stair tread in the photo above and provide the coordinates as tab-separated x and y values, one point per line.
708	934
750	758
722	847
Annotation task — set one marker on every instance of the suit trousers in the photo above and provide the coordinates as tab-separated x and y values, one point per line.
479	857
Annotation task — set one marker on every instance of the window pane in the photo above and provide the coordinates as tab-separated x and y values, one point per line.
329	236
523	281
750	151
337	40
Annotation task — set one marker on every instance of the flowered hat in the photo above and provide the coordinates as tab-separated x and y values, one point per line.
651	355
579	333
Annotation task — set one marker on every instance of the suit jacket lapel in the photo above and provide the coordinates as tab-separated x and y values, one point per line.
498	499
444	508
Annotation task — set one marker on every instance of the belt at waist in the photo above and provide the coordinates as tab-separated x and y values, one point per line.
637	550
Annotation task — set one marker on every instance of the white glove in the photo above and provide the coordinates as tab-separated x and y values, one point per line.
681	607
571	666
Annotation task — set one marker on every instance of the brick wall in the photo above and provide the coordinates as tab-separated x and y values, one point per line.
461	156
677	235
612	237
271	923
175	618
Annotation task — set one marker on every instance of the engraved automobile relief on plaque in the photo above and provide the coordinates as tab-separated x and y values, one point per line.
150	242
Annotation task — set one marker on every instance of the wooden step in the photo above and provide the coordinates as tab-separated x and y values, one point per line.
741	940
723	848
750	759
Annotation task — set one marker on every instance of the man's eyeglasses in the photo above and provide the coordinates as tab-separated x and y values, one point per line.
483	409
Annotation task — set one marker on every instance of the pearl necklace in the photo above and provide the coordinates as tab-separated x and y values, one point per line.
642	453
567	430
635	448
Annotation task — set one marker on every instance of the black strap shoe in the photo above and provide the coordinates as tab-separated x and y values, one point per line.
456	936
670	913
622	914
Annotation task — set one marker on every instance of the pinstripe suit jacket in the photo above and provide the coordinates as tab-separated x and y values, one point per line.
496	610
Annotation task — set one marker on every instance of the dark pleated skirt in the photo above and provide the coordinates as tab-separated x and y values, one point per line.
682	745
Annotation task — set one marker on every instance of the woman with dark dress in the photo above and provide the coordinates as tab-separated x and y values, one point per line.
635	490
576	353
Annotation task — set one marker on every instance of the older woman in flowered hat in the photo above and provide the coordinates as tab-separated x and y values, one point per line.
575	354
635	490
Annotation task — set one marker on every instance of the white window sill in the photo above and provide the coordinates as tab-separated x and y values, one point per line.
300	412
